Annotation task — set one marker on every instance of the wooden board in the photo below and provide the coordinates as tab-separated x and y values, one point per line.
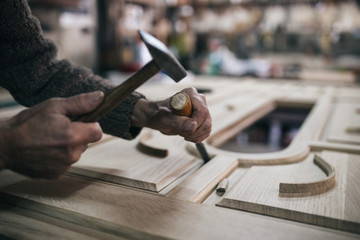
118	161
338	208
302	189
201	183
345	115
134	215
234	177
299	148
338	147
327	76
18	223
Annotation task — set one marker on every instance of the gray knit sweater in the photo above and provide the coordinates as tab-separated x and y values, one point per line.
29	71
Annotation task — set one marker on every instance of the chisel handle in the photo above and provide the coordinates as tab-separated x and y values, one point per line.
180	104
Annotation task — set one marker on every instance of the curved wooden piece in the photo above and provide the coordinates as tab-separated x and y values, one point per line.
310	188
299	148
338	147
144	147
353	129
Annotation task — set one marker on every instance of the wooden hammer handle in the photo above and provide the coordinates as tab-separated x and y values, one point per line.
118	94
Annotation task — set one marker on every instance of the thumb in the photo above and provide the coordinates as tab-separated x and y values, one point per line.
81	104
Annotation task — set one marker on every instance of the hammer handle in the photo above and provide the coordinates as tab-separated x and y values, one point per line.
180	104
118	94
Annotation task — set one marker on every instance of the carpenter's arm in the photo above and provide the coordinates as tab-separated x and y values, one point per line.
42	141
29	70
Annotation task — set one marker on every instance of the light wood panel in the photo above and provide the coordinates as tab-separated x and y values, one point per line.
18	223
233	178
147	144
118	161
299	148
199	185
339	147
134	215
327	76
337	208
227	114
222	186
310	188
345	115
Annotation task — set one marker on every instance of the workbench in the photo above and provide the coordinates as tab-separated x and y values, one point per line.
157	186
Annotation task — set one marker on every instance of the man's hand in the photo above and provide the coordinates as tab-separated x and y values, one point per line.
43	142
158	116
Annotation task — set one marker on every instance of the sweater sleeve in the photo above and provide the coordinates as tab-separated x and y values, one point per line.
30	72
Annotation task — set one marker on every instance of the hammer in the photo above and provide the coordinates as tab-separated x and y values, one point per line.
163	60
180	104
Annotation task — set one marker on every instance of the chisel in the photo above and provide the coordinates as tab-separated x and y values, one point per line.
180	104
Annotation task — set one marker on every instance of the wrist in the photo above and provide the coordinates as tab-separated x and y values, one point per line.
144	110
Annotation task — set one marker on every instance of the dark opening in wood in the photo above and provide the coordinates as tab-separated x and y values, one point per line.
271	133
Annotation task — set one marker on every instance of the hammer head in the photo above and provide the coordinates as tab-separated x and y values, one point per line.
163	57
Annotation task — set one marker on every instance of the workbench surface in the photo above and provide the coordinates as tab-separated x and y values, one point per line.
121	190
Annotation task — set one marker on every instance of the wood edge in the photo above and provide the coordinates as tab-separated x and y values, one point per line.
176	174
339	147
272	211
206	190
76	218
182	192
310	188
293	153
353	129
104	177
222	186
221	136
142	147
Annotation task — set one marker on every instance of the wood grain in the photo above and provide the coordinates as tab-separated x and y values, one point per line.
18	223
311	130
146	145
222	186
344	115
134	215
118	161
233	178
337	208
310	188
338	147
199	185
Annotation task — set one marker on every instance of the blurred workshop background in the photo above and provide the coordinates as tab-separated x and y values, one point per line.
292	39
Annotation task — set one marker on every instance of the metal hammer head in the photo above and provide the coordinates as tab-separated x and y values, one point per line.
163	57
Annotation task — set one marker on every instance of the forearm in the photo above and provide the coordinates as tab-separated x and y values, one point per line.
28	69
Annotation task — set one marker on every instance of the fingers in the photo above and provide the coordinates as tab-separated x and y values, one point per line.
85	133
200	112
76	105
201	115
201	133
195	128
